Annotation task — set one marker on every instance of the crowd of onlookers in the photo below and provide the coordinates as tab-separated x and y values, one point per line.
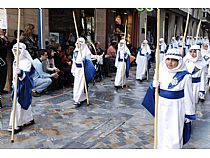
52	64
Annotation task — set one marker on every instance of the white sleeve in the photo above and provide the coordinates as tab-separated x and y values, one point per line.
203	80
188	96
116	59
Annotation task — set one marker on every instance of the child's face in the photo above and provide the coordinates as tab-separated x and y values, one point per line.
205	46
171	63
193	53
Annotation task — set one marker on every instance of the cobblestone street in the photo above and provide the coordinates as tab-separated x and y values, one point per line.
115	119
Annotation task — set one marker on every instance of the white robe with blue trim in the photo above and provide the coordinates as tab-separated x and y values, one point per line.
171	112
120	78
199	86
142	63
79	94
22	116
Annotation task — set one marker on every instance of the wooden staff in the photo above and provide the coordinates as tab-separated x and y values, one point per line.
198	29
83	68
185	32
145	37
123	70
16	80
157	78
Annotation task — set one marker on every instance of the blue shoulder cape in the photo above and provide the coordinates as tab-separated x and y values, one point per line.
90	70
149	104
24	90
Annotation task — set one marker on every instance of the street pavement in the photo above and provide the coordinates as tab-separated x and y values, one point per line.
115	119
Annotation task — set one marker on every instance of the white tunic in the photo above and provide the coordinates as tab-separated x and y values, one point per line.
198	86
171	112
22	116
206	56
78	73
120	78
142	62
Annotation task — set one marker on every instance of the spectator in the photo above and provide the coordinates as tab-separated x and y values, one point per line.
109	59
49	67
30	40
21	39
3	62
41	79
64	64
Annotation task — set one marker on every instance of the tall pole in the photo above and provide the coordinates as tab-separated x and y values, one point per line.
157	78
145	38
198	29
185	32
123	70
16	80
83	68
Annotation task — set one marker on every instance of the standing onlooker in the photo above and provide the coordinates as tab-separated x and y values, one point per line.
3	62
30	41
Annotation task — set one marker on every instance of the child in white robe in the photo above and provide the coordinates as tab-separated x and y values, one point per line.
175	106
142	61
162	48
23	115
79	94
196	67
122	65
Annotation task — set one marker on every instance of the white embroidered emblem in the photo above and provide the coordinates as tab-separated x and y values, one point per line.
174	81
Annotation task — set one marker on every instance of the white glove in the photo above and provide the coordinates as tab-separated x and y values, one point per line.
156	83
201	95
18	71
187	120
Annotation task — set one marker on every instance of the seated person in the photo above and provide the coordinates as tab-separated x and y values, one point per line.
41	79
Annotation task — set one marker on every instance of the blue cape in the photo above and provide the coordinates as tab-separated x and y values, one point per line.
24	90
90	70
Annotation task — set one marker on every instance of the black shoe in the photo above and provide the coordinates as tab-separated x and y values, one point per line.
15	130
29	123
202	100
0	105
77	104
118	87
108	76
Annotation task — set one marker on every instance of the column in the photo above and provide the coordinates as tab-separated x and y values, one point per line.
100	27
179	27
171	26
162	22
142	19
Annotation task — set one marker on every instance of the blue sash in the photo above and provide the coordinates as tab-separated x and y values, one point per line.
196	79
178	77
127	64
171	94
